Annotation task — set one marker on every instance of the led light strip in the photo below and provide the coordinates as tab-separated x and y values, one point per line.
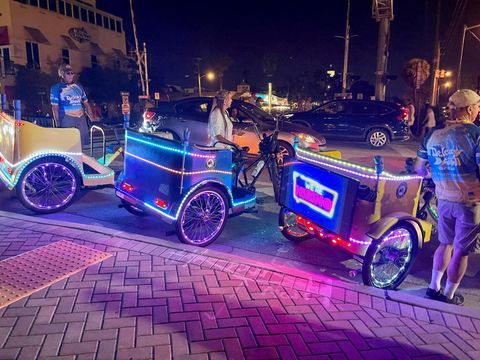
49	152
168	148
177	171
174	218
15	178
385	175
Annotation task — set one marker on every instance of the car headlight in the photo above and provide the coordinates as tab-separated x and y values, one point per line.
307	141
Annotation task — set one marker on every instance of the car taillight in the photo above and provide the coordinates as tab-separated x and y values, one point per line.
403	114
148	115
127	187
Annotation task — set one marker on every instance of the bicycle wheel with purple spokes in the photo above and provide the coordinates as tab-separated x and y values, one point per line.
202	218
48	187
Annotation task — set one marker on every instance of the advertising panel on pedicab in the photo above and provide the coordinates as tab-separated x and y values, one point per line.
324	197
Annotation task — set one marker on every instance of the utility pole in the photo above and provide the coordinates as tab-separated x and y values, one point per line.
199	77
436	58
345	55
382	12
145	62
137	50
465	29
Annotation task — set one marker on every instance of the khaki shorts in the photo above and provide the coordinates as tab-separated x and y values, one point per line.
455	221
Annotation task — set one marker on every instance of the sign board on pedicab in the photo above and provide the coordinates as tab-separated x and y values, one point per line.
324	197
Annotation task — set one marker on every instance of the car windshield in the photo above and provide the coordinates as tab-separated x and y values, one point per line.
259	115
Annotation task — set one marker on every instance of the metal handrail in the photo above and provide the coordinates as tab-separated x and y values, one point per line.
95	127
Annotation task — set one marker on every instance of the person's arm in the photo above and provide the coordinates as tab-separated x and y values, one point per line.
422	158
88	111
56	120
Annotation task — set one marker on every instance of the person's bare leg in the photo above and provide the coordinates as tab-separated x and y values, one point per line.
441	261
455	272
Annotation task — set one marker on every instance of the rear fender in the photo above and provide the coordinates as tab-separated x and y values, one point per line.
379	228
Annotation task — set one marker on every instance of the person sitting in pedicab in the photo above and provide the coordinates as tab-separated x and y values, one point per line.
220	126
70	104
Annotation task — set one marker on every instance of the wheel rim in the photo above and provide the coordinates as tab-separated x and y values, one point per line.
391	257
49	186
378	139
203	217
281	153
291	225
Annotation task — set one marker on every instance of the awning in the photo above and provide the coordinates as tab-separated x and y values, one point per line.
96	49
118	53
36	35
69	42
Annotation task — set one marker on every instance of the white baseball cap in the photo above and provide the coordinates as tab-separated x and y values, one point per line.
463	98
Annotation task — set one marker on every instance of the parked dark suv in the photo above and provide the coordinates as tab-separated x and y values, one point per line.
376	122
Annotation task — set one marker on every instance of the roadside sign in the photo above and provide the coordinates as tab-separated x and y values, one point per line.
157	96
125	109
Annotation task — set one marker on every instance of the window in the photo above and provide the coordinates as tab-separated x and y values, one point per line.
68	9
334	108
33	56
119	26
112	24
93	59
65	56
61	7
52	5
99	19
22	1
198	110
91	17
34	2
364	108
7	63
76	12
44	4
83	13
105	22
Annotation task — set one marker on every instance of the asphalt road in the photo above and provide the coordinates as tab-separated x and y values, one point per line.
256	235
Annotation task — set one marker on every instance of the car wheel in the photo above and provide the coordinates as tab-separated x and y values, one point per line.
284	149
377	138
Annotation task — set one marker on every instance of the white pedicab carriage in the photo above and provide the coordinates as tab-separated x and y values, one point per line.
46	166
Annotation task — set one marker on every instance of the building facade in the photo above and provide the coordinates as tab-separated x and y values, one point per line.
42	34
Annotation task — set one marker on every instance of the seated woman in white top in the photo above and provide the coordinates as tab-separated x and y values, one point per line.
220	126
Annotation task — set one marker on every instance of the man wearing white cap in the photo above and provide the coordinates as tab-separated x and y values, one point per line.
453	152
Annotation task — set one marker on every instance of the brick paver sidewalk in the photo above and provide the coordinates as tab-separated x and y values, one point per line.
150	301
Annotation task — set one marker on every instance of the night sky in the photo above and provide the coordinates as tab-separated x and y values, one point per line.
300	34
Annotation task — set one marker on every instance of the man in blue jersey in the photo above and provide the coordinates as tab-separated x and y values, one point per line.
70	103
453	152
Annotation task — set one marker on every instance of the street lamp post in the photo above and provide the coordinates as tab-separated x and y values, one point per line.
209	75
465	29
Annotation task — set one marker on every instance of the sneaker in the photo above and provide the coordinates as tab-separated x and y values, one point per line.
433	294
457	299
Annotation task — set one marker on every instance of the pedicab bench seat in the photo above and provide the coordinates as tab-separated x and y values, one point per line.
160	173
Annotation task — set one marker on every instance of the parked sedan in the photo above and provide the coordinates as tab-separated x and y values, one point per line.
249	124
376	122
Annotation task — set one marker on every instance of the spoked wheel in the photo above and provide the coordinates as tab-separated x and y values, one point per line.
47	186
202	217
388	261
287	221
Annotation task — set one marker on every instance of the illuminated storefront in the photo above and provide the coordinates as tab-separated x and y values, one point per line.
42	34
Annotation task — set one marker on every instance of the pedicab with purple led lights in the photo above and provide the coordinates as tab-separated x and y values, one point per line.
46	166
195	188
369	212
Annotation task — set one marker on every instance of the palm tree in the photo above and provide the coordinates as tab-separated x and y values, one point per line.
222	64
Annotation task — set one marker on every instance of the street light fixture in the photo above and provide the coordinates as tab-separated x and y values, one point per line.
465	29
209	75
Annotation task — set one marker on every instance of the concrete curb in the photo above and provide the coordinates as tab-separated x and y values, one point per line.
387	295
